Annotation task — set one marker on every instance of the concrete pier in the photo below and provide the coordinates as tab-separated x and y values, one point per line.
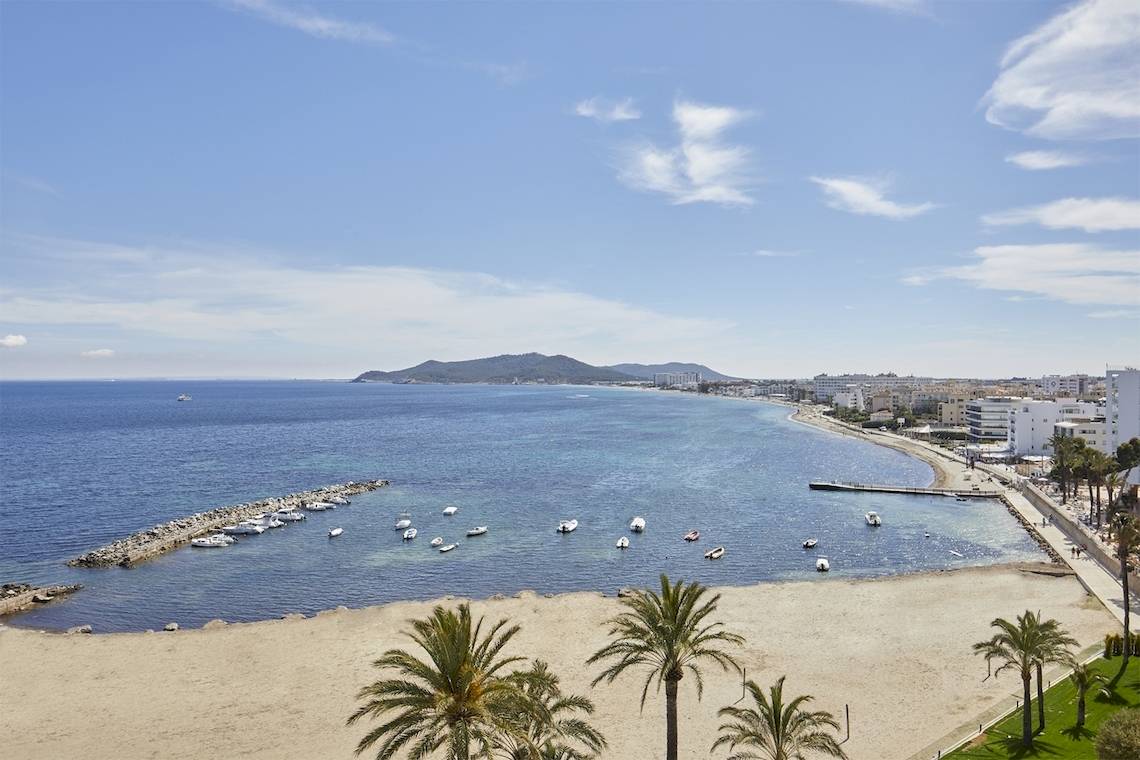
18	596
834	485
146	544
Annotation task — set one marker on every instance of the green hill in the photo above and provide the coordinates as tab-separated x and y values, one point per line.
508	368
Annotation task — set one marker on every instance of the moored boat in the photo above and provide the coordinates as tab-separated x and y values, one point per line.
184	397
623	543
477	531
446	549
335	532
403	520
637	525
692	535
810	543
567	526
245	527
215	541
716	553
339	500
410	533
437	541
822	565
289	515
873	519
449	511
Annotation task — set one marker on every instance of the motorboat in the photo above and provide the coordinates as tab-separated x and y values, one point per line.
810	543
437	541
692	535
245	527
403	521
926	534
335	532
637	525
317	506
215	541
338	500
266	521
716	553
567	526
873	519
623	543
446	549
822	565
449	511
959	555
184	397
289	515
410	533
477	531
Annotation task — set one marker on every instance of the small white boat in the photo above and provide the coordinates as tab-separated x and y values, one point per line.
926	534
637	525
437	541
289	515
477	531
335	532
403	520
184	397
959	555
810	543
243	528
623	543
692	535
567	526
211	542
446	549
340	500
318	506
449	511
716	553
410	533
873	519
822	565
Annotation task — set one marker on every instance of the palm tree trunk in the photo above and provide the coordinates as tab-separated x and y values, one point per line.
1123	556
671	718
1080	709
1040	699
1026	712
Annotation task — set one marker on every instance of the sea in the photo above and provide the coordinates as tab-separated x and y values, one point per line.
85	463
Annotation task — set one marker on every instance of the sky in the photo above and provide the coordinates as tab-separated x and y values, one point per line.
268	188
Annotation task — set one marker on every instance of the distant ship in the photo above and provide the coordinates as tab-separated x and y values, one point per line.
184	397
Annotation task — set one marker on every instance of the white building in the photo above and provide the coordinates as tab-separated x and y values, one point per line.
1066	386
676	379
1093	430
826	386
1122	409
1032	421
988	418
852	398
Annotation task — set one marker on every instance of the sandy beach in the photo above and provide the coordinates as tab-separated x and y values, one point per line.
897	650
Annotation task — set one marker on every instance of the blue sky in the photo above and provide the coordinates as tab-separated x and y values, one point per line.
275	189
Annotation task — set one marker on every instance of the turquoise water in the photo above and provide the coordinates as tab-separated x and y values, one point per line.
85	463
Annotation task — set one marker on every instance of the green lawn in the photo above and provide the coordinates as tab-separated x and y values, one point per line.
1060	740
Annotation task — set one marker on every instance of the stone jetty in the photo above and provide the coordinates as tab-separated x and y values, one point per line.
146	544
18	596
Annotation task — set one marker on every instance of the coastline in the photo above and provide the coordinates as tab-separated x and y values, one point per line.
189	693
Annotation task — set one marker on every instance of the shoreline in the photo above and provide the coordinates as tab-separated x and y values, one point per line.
157	692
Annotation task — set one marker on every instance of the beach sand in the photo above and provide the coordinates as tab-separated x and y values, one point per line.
897	650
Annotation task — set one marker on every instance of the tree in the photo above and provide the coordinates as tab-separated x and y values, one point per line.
773	730
1125	533
1119	736
1084	678
1019	646
1053	645
1063	447
667	634
460	697
1128	455
559	730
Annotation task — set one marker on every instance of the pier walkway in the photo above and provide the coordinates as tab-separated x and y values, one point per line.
835	485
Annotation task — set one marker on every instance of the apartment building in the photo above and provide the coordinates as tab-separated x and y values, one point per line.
1032	422
1122	410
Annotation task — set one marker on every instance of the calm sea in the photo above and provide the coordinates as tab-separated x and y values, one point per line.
86	463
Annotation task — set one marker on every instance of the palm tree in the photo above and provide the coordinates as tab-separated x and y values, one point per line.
1084	679
1053	645
1015	646
460	696
1125	532
777	731
559	730
1062	455
667	633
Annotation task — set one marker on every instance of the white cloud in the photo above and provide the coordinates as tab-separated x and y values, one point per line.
1089	214
375	316
13	341
312	23
98	353
764	253
1037	160
865	196
915	7
1077	76
606	111
701	168
1079	273
1115	314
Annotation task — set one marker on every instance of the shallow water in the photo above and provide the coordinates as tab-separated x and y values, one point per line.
86	463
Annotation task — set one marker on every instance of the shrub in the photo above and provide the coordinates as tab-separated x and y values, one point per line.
1119	737
1107	645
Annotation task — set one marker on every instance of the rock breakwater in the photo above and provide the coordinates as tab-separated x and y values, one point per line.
146	544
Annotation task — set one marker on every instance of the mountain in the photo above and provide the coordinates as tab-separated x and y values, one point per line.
500	369
646	371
